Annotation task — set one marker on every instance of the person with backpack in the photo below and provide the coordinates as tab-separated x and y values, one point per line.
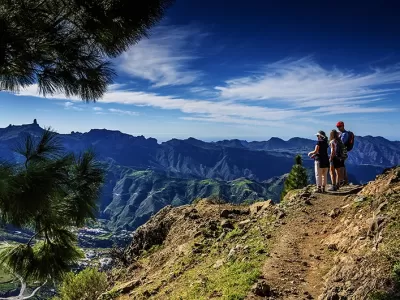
347	138
320	155
336	159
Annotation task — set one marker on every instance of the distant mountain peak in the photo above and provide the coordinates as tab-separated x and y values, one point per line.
275	139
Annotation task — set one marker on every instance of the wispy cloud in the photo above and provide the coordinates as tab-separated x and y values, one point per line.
304	83
71	106
164	58
68	104
285	93
123	112
96	108
201	108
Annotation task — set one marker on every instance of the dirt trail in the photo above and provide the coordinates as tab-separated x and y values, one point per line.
298	258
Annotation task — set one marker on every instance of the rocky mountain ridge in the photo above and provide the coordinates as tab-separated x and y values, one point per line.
192	160
225	160
310	246
138	194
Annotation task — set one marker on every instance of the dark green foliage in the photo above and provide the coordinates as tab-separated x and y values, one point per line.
65	45
297	178
298	160
86	285
49	194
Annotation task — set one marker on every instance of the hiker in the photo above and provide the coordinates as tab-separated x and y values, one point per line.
347	138
320	155
336	163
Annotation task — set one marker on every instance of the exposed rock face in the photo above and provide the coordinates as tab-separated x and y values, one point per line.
152	233
365	239
335	247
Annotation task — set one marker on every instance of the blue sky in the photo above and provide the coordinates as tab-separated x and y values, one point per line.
248	70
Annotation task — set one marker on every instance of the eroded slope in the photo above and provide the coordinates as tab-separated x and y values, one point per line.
311	246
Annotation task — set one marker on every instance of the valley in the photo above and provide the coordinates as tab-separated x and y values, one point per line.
144	176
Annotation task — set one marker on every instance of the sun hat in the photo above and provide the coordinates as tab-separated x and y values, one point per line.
321	133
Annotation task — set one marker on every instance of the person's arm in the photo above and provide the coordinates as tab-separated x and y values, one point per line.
333	151
316	151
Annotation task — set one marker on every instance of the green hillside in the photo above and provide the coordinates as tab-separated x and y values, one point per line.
138	194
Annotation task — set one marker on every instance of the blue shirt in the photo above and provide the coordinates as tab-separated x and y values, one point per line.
344	136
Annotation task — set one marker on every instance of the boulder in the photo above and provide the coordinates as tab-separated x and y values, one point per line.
260	206
333	247
225	213
280	214
227	224
335	213
218	263
244	223
261	289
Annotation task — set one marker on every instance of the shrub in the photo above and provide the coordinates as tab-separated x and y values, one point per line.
86	285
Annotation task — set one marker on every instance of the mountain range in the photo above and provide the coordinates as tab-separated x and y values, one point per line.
143	175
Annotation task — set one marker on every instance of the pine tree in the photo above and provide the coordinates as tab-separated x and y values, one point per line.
65	45
50	194
297	178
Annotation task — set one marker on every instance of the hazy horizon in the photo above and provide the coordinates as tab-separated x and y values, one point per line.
161	139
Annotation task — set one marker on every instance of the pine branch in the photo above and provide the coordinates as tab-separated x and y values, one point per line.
30	240
22	291
23	288
35	291
35	235
39	4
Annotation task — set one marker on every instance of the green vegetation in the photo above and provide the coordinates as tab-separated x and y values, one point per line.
297	178
209	269
154	248
5	276
242	182
51	193
86	285
65	45
141	173
234	233
233	280
391	246
154	190
208	181
7	281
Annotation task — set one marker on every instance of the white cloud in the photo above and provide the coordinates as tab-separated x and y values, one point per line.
163	59
227	111
123	112
188	106
71	106
199	106
96	108
283	95
68	104
304	83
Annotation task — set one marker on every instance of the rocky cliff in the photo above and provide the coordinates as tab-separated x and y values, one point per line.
310	246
